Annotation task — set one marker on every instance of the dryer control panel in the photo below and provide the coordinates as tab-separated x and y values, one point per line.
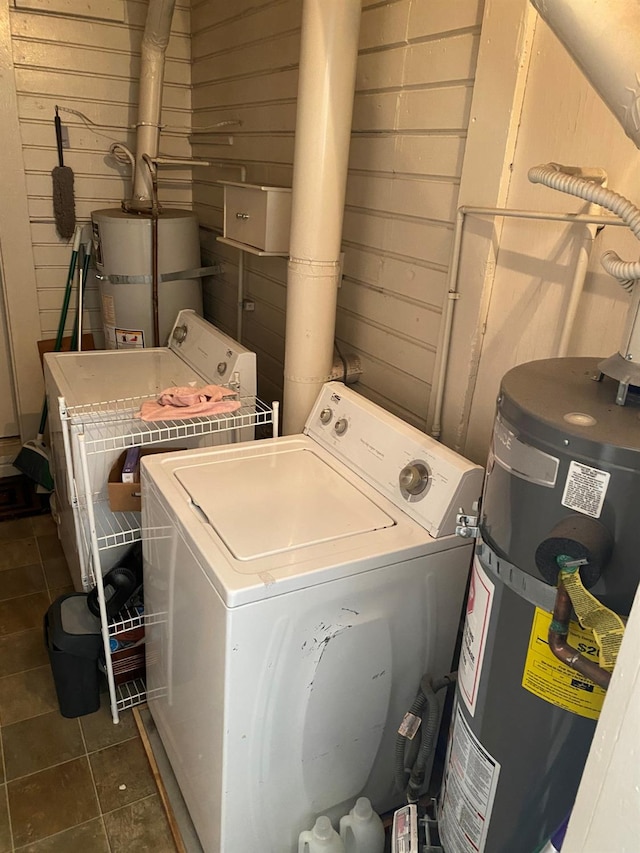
213	354
427	480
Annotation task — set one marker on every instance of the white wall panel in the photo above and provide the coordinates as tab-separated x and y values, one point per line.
562	120
411	111
91	66
278	17
38	29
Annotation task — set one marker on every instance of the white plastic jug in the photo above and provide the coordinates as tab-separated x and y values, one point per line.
361	830
321	839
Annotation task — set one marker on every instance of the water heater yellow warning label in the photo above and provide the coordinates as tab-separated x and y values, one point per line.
545	676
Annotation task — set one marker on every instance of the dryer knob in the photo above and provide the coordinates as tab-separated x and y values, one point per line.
341	426
326	415
179	334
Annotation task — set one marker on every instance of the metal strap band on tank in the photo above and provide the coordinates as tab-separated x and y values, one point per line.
200	272
533	590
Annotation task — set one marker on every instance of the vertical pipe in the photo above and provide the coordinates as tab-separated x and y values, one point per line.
154	46
155	279
240	296
328	56
577	285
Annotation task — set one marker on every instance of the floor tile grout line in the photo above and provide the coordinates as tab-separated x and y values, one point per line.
49	767
6	794
20	672
6	789
101	748
95	787
53	835
24	595
24	719
85	822
86	753
46	580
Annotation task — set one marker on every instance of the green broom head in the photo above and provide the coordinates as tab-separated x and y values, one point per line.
33	461
64	206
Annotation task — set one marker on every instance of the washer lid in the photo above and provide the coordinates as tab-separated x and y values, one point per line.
262	505
84	378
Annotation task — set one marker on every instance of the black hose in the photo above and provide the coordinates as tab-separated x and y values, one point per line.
429	731
401	771
411	779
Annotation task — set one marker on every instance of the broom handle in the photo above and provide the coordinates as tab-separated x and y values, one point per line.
58	125
77	328
68	288
63	315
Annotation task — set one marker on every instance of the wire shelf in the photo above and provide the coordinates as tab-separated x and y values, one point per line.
112	425
116	528
127	619
131	693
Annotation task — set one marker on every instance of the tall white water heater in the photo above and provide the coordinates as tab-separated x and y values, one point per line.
123	245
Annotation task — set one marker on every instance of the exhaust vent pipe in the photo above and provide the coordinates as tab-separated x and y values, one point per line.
326	84
154	47
601	36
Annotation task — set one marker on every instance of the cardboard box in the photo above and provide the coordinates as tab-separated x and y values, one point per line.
50	344
126	497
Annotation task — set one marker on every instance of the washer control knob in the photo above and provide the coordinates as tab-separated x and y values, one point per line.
222	368
341	426
326	415
414	478
180	333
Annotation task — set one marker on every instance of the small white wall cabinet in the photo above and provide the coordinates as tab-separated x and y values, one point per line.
257	218
98	433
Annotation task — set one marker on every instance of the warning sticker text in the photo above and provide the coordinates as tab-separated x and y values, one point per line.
474	636
469	788
585	489
548	678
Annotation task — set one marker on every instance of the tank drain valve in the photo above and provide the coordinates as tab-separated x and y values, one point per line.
466	524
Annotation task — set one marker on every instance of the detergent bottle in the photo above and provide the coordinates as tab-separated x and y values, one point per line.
361	830
321	839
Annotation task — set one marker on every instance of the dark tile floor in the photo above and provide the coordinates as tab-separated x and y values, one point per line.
66	786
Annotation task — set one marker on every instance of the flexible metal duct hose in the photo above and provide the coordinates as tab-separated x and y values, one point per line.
552	175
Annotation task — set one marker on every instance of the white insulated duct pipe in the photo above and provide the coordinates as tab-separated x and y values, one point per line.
328	56
602	38
154	47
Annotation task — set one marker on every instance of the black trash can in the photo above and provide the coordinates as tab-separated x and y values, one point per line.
73	640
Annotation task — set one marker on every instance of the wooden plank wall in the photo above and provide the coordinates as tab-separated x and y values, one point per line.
92	66
414	85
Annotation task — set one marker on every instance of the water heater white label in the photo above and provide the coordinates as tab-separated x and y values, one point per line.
108	310
585	489
129	338
468	790
474	636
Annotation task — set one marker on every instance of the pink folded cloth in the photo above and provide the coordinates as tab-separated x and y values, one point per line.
179	403
188	396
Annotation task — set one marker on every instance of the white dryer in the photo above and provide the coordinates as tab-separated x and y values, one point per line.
86	383
297	589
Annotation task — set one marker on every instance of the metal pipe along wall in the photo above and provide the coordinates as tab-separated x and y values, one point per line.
328	56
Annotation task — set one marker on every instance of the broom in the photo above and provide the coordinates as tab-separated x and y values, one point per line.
64	207
33	458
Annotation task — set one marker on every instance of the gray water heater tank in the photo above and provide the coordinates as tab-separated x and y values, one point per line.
123	246
523	722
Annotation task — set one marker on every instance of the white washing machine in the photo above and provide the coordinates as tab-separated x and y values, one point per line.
89	382
297	589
